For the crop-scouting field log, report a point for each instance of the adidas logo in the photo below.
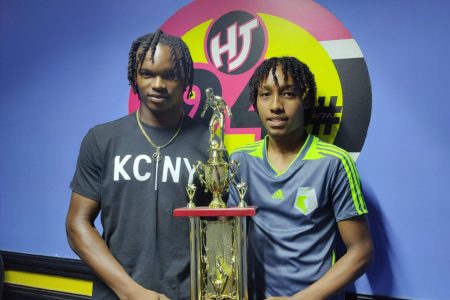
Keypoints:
(278, 195)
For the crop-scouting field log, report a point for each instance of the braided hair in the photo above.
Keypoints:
(181, 58)
(304, 81)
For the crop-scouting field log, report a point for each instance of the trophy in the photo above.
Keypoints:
(218, 241)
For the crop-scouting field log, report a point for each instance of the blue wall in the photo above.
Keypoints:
(63, 70)
(404, 164)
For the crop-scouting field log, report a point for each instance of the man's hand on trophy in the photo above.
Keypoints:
(144, 294)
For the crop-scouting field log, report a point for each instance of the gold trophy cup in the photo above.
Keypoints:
(216, 174)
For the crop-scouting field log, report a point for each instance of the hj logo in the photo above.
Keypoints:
(231, 42)
(235, 60)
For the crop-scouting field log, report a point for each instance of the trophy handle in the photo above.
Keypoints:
(199, 168)
(234, 167)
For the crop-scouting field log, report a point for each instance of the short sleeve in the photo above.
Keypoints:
(347, 197)
(88, 174)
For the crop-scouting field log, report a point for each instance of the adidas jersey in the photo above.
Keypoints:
(291, 238)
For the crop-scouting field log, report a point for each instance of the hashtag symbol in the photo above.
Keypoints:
(325, 115)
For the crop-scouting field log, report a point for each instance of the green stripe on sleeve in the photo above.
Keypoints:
(352, 174)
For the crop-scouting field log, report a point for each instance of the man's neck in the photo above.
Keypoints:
(287, 144)
(281, 152)
(161, 119)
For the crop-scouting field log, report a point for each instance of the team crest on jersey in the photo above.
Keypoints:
(306, 200)
(228, 39)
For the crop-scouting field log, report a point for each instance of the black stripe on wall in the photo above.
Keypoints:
(18, 292)
(72, 268)
(357, 110)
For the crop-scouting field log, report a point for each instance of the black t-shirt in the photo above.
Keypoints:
(115, 167)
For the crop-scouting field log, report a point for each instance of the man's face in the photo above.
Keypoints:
(281, 107)
(158, 88)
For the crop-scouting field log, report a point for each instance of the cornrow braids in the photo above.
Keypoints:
(179, 52)
(304, 81)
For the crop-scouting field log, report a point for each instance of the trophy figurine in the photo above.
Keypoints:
(218, 234)
(190, 189)
(218, 106)
(242, 189)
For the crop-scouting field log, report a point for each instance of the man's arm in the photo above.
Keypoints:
(356, 236)
(85, 240)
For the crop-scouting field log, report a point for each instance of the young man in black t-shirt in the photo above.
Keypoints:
(134, 170)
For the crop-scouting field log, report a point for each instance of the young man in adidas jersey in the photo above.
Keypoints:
(306, 192)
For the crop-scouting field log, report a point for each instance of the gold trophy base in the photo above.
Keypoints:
(218, 249)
